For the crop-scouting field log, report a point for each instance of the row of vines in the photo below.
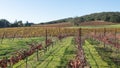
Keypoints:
(109, 37)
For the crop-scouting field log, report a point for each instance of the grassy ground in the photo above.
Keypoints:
(93, 57)
(102, 26)
(108, 55)
(101, 57)
(98, 26)
(10, 46)
(56, 57)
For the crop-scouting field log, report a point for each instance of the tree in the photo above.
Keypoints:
(4, 23)
(17, 24)
(76, 21)
(115, 18)
(82, 19)
(106, 18)
(28, 24)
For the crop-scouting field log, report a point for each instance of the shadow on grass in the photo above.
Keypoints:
(105, 54)
(93, 57)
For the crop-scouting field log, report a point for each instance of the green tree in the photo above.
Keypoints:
(17, 24)
(28, 24)
(76, 21)
(115, 18)
(4, 23)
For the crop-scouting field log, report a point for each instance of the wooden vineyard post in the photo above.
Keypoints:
(7, 61)
(94, 35)
(117, 48)
(52, 40)
(60, 35)
(26, 59)
(79, 35)
(95, 32)
(104, 35)
(14, 35)
(46, 39)
(51, 37)
(59, 30)
(10, 64)
(37, 55)
(116, 45)
(115, 38)
(3, 37)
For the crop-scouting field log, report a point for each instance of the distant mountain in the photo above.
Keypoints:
(113, 17)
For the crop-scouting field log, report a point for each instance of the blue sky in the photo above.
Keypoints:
(47, 10)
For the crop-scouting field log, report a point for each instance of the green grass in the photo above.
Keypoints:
(103, 26)
(93, 57)
(56, 57)
(106, 54)
(98, 26)
(9, 46)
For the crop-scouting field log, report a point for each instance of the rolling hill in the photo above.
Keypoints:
(103, 18)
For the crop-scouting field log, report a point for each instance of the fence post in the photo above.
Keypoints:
(3, 37)
(116, 37)
(37, 55)
(95, 32)
(104, 35)
(80, 36)
(14, 35)
(46, 39)
(26, 59)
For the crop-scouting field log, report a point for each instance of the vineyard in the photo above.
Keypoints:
(59, 47)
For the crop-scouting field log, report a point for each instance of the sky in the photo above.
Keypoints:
(37, 11)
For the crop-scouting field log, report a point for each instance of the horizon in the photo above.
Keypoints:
(44, 11)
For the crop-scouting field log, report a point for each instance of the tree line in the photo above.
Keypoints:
(5, 23)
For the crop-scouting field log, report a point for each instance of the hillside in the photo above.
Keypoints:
(63, 24)
(103, 16)
(95, 23)
(68, 24)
